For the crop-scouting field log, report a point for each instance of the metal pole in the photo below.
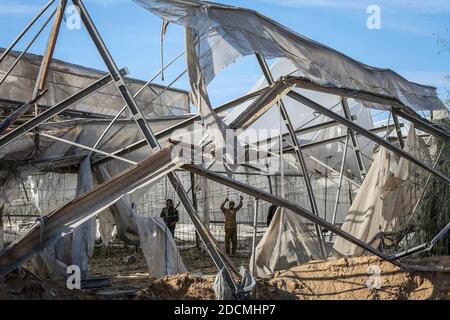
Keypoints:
(45, 63)
(350, 193)
(194, 203)
(350, 124)
(82, 146)
(16, 114)
(27, 47)
(355, 142)
(398, 130)
(422, 124)
(124, 107)
(298, 151)
(135, 96)
(51, 44)
(72, 214)
(255, 230)
(341, 175)
(218, 257)
(30, 24)
(260, 194)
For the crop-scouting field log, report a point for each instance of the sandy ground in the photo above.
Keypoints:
(340, 279)
(348, 278)
(344, 279)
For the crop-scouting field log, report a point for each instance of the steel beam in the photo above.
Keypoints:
(46, 61)
(15, 115)
(220, 259)
(422, 124)
(263, 103)
(262, 195)
(354, 139)
(341, 175)
(48, 55)
(297, 148)
(398, 130)
(255, 232)
(350, 124)
(398, 107)
(74, 213)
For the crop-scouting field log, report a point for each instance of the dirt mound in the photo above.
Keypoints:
(184, 287)
(190, 287)
(349, 278)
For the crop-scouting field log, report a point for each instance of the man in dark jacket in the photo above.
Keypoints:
(170, 216)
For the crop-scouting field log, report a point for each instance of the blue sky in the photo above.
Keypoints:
(407, 41)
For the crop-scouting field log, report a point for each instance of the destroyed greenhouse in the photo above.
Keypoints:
(88, 159)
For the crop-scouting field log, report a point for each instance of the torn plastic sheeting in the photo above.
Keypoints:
(76, 212)
(215, 127)
(288, 242)
(74, 248)
(158, 246)
(66, 79)
(388, 193)
(228, 33)
(222, 290)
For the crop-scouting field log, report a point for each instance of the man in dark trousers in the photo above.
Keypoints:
(230, 225)
(170, 216)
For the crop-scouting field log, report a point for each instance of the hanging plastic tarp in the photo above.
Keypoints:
(388, 193)
(158, 246)
(227, 33)
(288, 242)
(74, 248)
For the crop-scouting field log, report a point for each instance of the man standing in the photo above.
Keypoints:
(170, 216)
(230, 225)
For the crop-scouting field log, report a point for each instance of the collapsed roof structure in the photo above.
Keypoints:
(134, 133)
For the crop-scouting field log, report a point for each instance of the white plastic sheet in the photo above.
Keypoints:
(389, 191)
(227, 33)
(65, 79)
(288, 242)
